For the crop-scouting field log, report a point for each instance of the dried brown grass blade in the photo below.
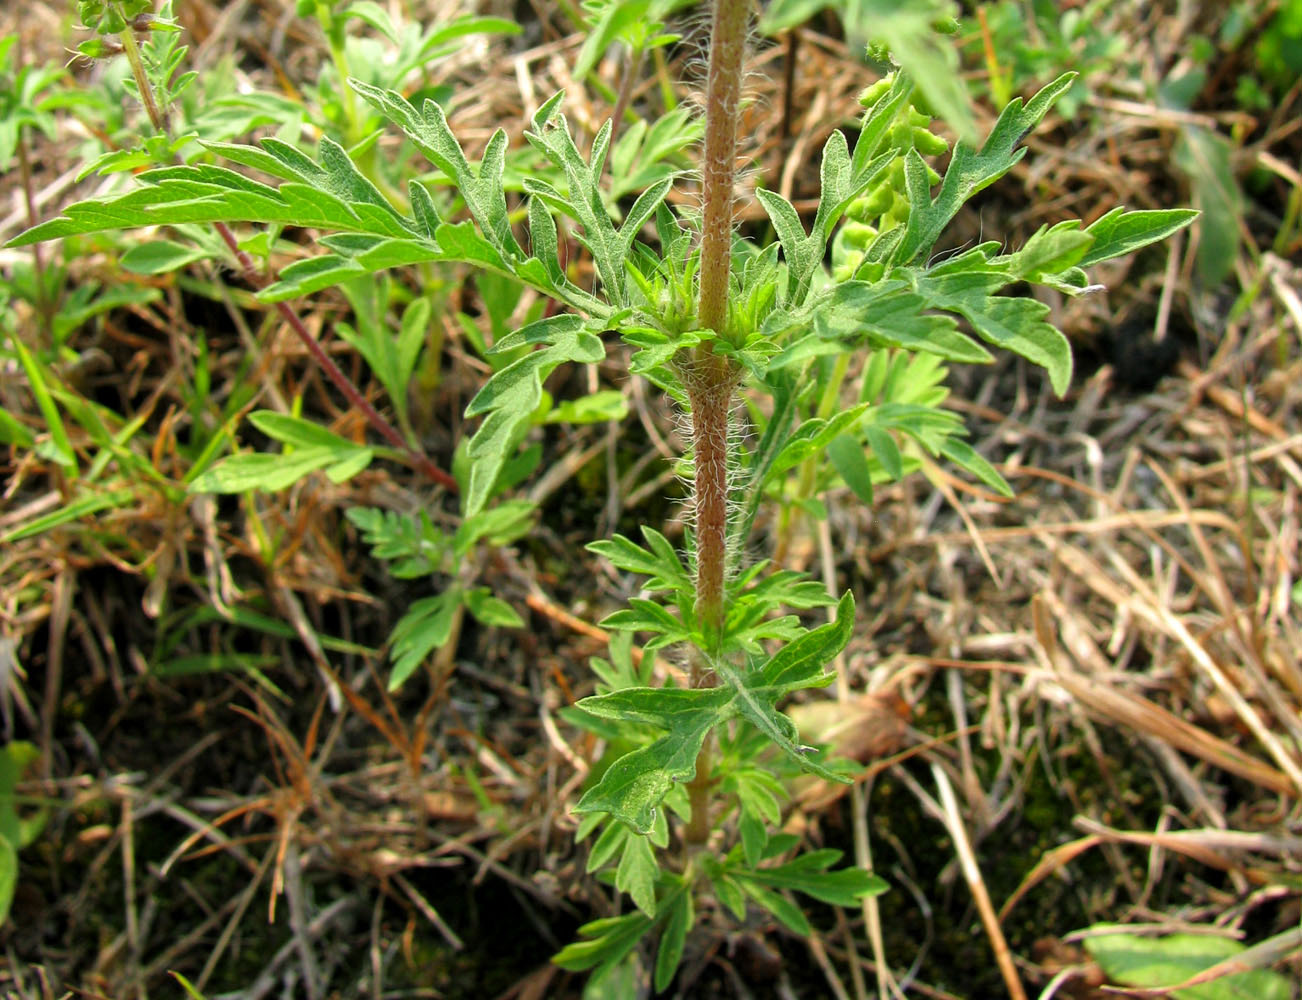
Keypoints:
(1046, 866)
(1135, 712)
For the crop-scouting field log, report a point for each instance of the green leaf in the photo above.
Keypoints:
(780, 15)
(611, 842)
(426, 626)
(1144, 961)
(886, 451)
(480, 186)
(332, 195)
(759, 791)
(1016, 324)
(787, 912)
(613, 20)
(298, 432)
(606, 404)
(159, 257)
(792, 236)
(673, 938)
(807, 874)
(303, 277)
(608, 248)
(970, 460)
(259, 471)
(889, 315)
(344, 469)
(647, 616)
(60, 450)
(441, 34)
(972, 170)
(662, 565)
(490, 610)
(1050, 251)
(930, 58)
(812, 437)
(8, 878)
(312, 447)
(1120, 232)
(636, 874)
(610, 941)
(634, 785)
(730, 895)
(508, 400)
(89, 503)
(19, 831)
(1206, 157)
(753, 835)
(374, 15)
(797, 665)
(186, 985)
(848, 459)
(13, 432)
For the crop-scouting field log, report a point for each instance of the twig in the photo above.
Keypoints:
(972, 872)
(428, 911)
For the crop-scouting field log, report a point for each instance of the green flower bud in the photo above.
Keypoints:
(870, 271)
(844, 270)
(858, 234)
(878, 200)
(928, 143)
(874, 93)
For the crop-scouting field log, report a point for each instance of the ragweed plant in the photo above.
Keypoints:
(685, 806)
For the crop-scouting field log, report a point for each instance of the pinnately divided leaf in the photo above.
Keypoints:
(338, 200)
(634, 785)
(508, 400)
(971, 170)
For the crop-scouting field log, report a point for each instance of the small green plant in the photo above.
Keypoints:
(841, 371)
(1020, 43)
(1203, 966)
(17, 829)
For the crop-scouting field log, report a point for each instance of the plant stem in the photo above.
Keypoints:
(44, 304)
(722, 111)
(710, 378)
(710, 392)
(157, 117)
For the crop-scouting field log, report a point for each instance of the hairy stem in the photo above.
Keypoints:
(711, 379)
(722, 110)
(710, 392)
(157, 115)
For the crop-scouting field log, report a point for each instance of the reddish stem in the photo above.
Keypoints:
(341, 381)
(723, 104)
(711, 379)
(422, 462)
